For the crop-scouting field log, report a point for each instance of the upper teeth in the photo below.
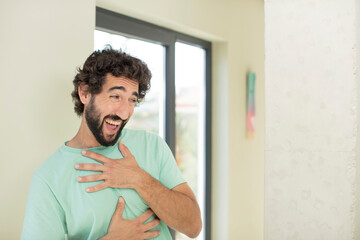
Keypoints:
(113, 122)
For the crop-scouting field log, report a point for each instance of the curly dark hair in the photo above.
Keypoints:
(115, 62)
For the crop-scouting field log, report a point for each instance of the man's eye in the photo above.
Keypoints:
(133, 100)
(115, 96)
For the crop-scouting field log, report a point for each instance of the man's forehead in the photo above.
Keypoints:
(111, 80)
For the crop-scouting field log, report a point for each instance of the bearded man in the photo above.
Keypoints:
(108, 182)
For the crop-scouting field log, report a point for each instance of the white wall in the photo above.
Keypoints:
(312, 107)
(357, 75)
(41, 44)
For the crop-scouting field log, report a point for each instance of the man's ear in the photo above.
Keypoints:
(84, 94)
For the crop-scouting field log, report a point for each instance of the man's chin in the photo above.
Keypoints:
(111, 140)
(108, 143)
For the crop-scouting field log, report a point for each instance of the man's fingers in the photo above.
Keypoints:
(120, 207)
(91, 178)
(151, 234)
(96, 156)
(145, 216)
(150, 225)
(90, 167)
(98, 187)
(124, 150)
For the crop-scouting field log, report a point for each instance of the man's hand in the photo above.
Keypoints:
(116, 173)
(134, 229)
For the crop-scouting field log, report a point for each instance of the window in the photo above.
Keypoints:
(178, 106)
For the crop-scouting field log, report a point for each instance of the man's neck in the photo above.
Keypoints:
(83, 138)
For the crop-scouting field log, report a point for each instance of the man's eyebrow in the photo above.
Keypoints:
(122, 89)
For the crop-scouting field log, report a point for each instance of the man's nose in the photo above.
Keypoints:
(123, 110)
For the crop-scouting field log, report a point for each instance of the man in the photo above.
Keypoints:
(134, 171)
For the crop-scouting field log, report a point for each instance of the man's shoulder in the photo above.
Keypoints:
(142, 140)
(141, 135)
(52, 164)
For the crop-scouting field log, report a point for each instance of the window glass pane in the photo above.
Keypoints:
(149, 115)
(190, 120)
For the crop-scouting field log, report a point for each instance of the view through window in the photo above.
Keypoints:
(190, 113)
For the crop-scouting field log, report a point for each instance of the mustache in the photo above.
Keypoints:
(115, 118)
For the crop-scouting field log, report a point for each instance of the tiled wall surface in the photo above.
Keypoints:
(312, 106)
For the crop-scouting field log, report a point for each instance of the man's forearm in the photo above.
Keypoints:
(174, 208)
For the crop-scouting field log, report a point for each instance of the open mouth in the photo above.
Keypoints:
(112, 125)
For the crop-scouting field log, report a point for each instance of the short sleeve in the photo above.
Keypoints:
(44, 217)
(170, 175)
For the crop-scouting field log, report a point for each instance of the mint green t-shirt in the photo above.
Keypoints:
(58, 204)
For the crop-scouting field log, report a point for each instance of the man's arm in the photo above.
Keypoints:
(44, 217)
(176, 207)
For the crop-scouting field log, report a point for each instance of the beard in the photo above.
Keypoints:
(92, 117)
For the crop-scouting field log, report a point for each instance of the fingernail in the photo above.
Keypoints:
(79, 178)
(83, 152)
(88, 189)
(120, 199)
(77, 165)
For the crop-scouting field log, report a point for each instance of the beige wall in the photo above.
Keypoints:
(49, 38)
(41, 44)
(357, 75)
